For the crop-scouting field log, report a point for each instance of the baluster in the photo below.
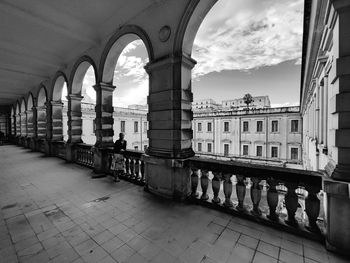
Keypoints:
(215, 183)
(255, 195)
(272, 199)
(312, 208)
(127, 166)
(240, 190)
(142, 171)
(204, 184)
(132, 168)
(78, 155)
(227, 190)
(137, 169)
(194, 182)
(291, 201)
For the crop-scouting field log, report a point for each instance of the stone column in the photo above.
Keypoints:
(104, 126)
(55, 126)
(35, 129)
(18, 126)
(170, 126)
(338, 189)
(74, 124)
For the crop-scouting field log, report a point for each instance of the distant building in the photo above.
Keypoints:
(273, 134)
(260, 134)
(206, 104)
(259, 102)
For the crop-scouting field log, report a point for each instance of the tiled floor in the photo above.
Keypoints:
(51, 211)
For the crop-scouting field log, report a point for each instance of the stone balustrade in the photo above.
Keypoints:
(84, 154)
(285, 198)
(134, 166)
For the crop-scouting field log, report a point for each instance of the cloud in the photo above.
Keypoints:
(247, 34)
(130, 76)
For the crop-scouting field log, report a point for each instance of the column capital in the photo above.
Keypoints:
(76, 97)
(56, 103)
(104, 86)
(170, 59)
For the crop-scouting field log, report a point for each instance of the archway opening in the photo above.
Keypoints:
(41, 113)
(245, 48)
(23, 119)
(88, 107)
(60, 107)
(124, 67)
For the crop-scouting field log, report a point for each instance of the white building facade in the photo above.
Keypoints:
(268, 134)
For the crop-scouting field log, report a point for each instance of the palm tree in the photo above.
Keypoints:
(248, 99)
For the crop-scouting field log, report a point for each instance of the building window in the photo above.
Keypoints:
(136, 126)
(294, 153)
(199, 147)
(136, 148)
(259, 126)
(199, 127)
(122, 126)
(209, 127)
(245, 126)
(259, 151)
(209, 147)
(274, 127)
(226, 149)
(245, 149)
(226, 126)
(145, 126)
(274, 152)
(294, 126)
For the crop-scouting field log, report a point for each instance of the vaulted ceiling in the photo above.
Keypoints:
(37, 37)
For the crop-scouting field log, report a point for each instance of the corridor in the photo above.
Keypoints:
(53, 211)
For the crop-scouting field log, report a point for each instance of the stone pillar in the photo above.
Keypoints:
(338, 189)
(35, 129)
(170, 126)
(104, 126)
(74, 124)
(57, 126)
(30, 127)
(18, 126)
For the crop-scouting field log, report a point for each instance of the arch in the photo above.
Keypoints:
(42, 96)
(18, 108)
(23, 105)
(30, 101)
(78, 74)
(115, 47)
(190, 23)
(59, 81)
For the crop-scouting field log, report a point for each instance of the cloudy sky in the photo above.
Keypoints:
(242, 46)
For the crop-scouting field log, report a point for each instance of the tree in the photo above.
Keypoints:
(248, 99)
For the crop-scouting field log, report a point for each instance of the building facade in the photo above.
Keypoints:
(273, 134)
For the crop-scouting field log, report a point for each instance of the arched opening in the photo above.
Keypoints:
(82, 85)
(41, 113)
(23, 118)
(30, 124)
(13, 123)
(18, 119)
(124, 68)
(248, 69)
(60, 108)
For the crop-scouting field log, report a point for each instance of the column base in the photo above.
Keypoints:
(101, 162)
(338, 214)
(168, 178)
